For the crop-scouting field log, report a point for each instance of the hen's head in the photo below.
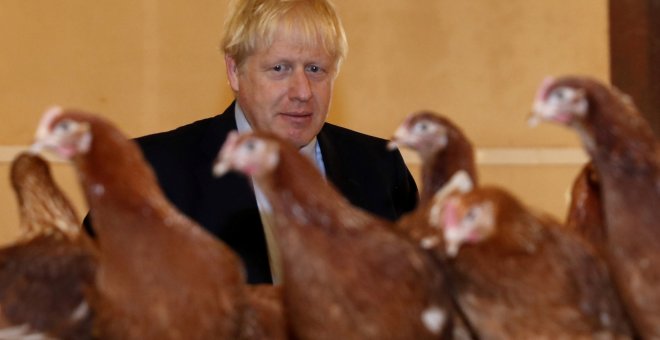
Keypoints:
(466, 218)
(602, 115)
(563, 101)
(253, 154)
(488, 215)
(64, 134)
(425, 132)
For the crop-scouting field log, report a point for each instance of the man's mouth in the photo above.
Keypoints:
(299, 117)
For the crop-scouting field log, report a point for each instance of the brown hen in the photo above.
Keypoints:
(160, 276)
(45, 277)
(626, 156)
(346, 274)
(520, 275)
(442, 146)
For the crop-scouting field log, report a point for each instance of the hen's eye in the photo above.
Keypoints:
(471, 214)
(64, 126)
(422, 127)
(559, 94)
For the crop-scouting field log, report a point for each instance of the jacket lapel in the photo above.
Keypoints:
(339, 173)
(227, 205)
(232, 189)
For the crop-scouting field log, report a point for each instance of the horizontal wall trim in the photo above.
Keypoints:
(518, 156)
(8, 152)
(485, 156)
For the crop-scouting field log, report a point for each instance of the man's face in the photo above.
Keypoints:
(285, 88)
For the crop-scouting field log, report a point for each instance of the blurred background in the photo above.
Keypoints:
(153, 65)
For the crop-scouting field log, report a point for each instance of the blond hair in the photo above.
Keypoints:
(251, 24)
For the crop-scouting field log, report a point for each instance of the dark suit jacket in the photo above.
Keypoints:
(361, 168)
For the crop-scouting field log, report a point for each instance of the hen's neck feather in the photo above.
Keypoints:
(115, 171)
(627, 156)
(442, 165)
(295, 181)
(622, 137)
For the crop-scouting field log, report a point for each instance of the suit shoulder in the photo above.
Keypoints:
(359, 152)
(204, 136)
(367, 172)
(181, 134)
(354, 138)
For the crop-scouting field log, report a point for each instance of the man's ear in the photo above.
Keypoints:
(232, 72)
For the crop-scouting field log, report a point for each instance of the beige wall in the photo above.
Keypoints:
(152, 65)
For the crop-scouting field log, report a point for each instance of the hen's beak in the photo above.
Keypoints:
(534, 119)
(399, 137)
(222, 163)
(536, 116)
(42, 134)
(221, 166)
(46, 120)
(392, 145)
(36, 147)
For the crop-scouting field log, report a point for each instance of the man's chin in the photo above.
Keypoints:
(297, 139)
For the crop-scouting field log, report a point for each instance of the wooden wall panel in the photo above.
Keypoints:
(635, 53)
(153, 65)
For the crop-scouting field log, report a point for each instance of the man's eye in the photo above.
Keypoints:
(313, 68)
(281, 68)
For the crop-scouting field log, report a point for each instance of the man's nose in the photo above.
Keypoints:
(300, 87)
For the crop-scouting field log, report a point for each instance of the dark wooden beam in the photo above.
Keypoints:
(635, 53)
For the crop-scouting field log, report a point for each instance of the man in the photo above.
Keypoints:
(282, 57)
